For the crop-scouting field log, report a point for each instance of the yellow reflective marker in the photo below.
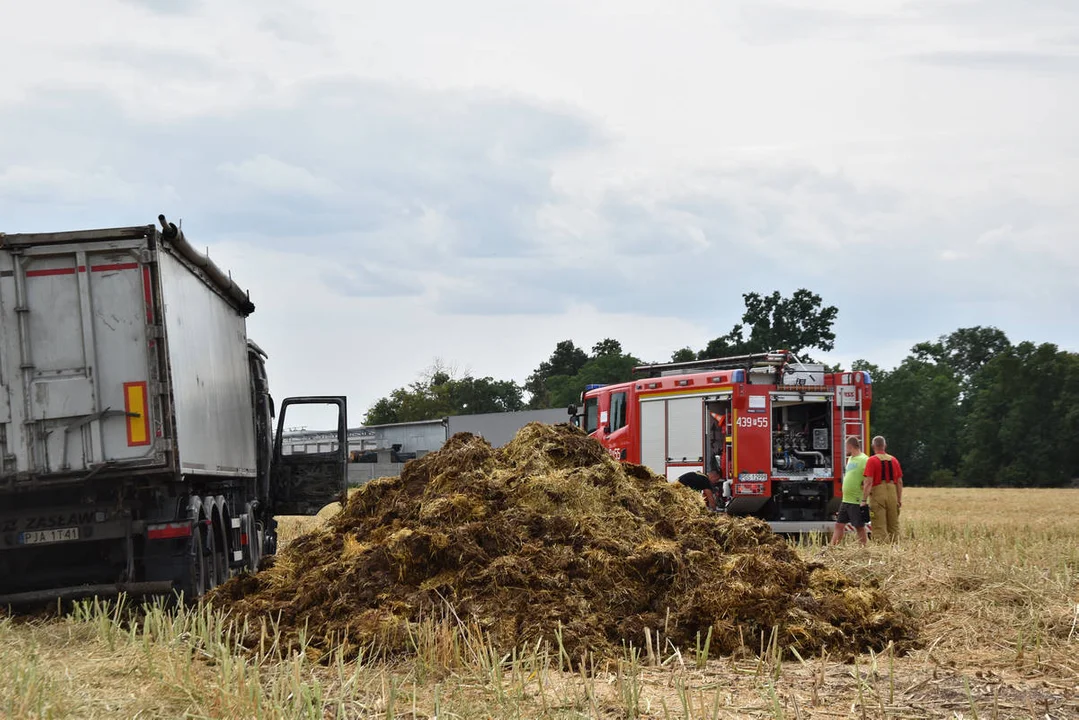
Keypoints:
(138, 414)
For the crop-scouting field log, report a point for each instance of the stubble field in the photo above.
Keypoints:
(991, 576)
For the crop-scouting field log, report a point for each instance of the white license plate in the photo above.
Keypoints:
(37, 537)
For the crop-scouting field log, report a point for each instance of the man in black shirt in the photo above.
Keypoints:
(706, 484)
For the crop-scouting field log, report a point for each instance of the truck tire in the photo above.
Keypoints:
(269, 538)
(254, 540)
(193, 583)
(215, 555)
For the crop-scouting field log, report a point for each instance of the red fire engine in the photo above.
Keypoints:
(772, 425)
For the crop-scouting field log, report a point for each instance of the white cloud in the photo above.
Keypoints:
(479, 180)
(264, 173)
(997, 236)
(47, 183)
(322, 342)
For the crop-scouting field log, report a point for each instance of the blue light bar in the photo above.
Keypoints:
(738, 376)
(594, 386)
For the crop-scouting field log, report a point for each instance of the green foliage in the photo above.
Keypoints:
(916, 407)
(686, 354)
(972, 409)
(566, 361)
(943, 478)
(772, 322)
(967, 350)
(608, 363)
(1023, 419)
(439, 395)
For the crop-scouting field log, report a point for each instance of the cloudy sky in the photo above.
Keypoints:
(476, 180)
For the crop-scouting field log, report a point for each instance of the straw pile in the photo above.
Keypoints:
(550, 533)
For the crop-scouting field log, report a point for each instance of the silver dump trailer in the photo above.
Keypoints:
(137, 449)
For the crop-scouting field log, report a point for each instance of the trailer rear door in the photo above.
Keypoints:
(76, 355)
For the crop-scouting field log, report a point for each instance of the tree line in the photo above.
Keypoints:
(969, 408)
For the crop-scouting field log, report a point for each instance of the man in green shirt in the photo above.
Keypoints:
(855, 494)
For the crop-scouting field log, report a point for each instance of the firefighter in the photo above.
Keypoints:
(705, 484)
(886, 494)
(719, 437)
(856, 487)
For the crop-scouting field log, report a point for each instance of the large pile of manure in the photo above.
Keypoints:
(550, 535)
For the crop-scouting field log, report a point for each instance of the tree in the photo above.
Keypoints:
(973, 409)
(1023, 420)
(607, 364)
(385, 411)
(605, 369)
(684, 355)
(966, 351)
(875, 372)
(566, 360)
(915, 407)
(773, 322)
(607, 347)
(439, 394)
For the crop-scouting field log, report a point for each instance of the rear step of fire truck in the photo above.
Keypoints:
(799, 527)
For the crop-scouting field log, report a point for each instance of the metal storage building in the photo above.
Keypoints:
(416, 437)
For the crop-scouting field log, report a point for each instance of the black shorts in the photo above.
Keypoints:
(696, 481)
(850, 513)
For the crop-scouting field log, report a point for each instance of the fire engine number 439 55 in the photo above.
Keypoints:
(755, 421)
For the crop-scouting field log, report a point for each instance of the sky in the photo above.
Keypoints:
(472, 182)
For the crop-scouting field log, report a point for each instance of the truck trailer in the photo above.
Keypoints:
(773, 426)
(137, 448)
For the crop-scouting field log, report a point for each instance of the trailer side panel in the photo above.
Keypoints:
(207, 346)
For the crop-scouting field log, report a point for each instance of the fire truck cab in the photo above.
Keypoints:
(772, 425)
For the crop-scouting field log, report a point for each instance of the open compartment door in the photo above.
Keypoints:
(304, 483)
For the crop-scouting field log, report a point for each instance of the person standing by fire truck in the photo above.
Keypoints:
(886, 495)
(856, 489)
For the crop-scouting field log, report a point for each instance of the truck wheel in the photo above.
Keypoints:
(193, 584)
(254, 542)
(215, 557)
(269, 539)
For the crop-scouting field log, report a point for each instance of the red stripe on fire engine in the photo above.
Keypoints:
(646, 394)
